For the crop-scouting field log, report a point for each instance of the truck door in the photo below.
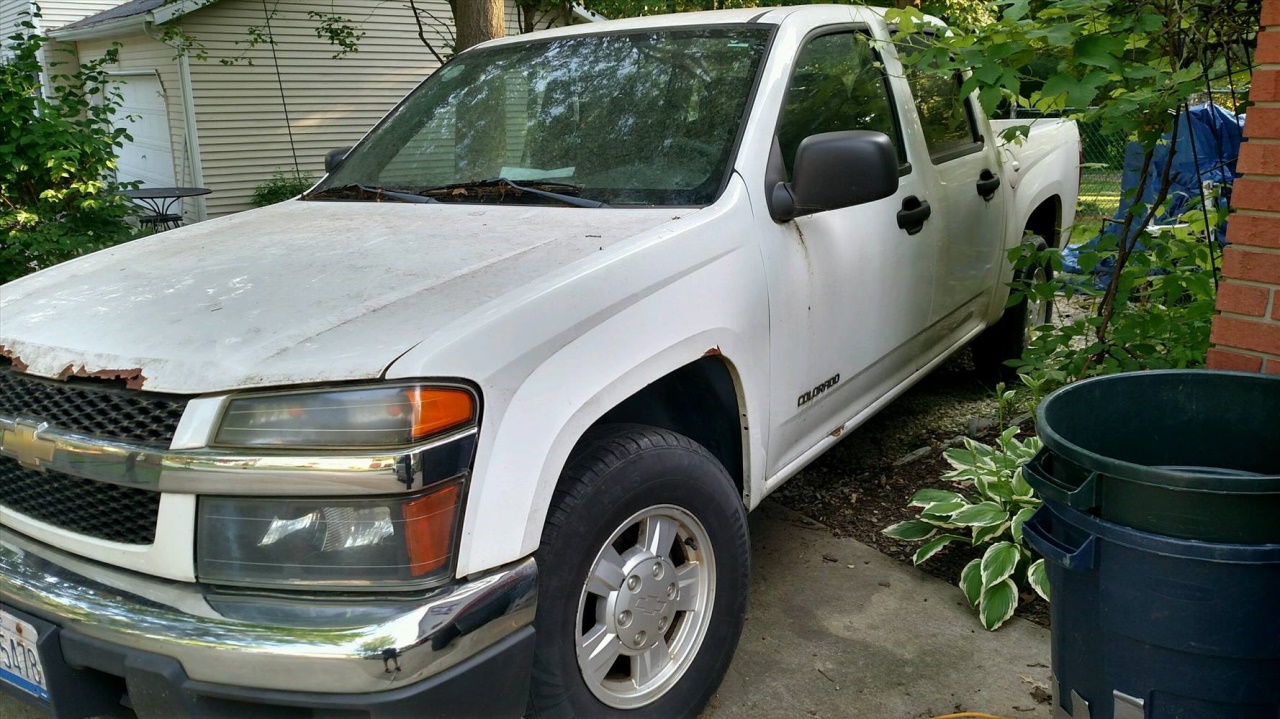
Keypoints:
(849, 289)
(970, 200)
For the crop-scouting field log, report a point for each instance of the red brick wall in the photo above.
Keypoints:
(1246, 331)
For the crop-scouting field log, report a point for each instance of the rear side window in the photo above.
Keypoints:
(838, 84)
(946, 118)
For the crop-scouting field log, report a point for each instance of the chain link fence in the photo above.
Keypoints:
(1100, 177)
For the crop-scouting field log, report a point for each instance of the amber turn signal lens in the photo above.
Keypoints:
(428, 529)
(437, 409)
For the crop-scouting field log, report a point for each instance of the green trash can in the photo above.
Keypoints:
(1192, 454)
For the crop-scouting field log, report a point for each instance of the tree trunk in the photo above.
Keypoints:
(904, 4)
(477, 21)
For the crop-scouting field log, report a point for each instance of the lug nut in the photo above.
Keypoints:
(640, 637)
(662, 624)
(633, 582)
(671, 591)
(624, 618)
(657, 570)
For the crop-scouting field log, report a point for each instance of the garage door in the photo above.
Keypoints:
(149, 156)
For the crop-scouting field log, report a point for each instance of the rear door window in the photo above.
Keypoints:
(947, 118)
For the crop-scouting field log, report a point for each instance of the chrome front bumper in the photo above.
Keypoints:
(283, 641)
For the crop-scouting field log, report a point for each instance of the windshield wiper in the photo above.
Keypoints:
(369, 190)
(501, 181)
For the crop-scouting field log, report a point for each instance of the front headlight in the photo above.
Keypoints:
(350, 542)
(358, 417)
(347, 543)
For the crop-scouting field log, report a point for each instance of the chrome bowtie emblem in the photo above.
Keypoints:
(649, 605)
(23, 442)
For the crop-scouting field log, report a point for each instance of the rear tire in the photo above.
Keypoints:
(643, 573)
(1008, 338)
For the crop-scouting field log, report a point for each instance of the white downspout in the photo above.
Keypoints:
(188, 115)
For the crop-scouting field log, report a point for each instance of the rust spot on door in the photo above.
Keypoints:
(133, 378)
(713, 352)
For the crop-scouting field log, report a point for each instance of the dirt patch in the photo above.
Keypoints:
(858, 488)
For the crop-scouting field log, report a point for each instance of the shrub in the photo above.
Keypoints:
(282, 186)
(993, 514)
(57, 161)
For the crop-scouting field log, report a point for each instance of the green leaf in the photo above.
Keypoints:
(925, 497)
(1076, 92)
(1017, 9)
(1038, 578)
(980, 515)
(1021, 489)
(935, 545)
(971, 581)
(1099, 50)
(912, 530)
(982, 535)
(997, 604)
(994, 487)
(942, 511)
(1015, 528)
(998, 562)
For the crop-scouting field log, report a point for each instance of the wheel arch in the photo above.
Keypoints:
(1045, 221)
(700, 400)
(566, 397)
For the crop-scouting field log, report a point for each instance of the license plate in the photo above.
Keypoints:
(19, 659)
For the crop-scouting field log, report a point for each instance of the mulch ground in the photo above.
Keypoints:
(857, 490)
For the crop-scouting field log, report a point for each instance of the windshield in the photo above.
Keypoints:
(643, 118)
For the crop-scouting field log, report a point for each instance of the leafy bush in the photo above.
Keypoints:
(1130, 66)
(993, 514)
(283, 185)
(1162, 310)
(57, 160)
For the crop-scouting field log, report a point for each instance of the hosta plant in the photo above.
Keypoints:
(989, 507)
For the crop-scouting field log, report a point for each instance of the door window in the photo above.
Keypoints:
(839, 84)
(945, 116)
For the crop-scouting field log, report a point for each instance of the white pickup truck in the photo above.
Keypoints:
(472, 427)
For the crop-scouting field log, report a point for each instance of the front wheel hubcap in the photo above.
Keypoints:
(645, 606)
(1037, 311)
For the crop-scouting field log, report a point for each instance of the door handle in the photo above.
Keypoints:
(913, 214)
(987, 185)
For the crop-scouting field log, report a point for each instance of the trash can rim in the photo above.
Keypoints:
(1164, 545)
(1143, 474)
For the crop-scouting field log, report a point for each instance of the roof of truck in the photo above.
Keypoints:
(763, 16)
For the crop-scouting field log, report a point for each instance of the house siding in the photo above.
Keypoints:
(12, 12)
(331, 102)
(140, 53)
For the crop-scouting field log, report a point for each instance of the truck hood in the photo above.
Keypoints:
(297, 292)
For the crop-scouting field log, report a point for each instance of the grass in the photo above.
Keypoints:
(1099, 199)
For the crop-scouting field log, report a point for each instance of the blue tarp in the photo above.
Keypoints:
(1217, 133)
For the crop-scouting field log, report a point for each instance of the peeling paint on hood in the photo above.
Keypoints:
(296, 292)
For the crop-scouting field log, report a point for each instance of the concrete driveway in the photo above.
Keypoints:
(836, 629)
(867, 636)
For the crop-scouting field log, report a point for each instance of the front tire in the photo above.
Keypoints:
(643, 575)
(1009, 337)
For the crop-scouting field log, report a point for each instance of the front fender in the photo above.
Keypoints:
(511, 494)
(554, 357)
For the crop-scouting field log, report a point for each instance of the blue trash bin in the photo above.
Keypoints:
(1152, 627)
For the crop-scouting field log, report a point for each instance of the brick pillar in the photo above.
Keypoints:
(1246, 331)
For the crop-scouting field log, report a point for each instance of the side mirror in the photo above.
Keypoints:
(834, 170)
(333, 158)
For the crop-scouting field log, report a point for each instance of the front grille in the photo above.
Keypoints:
(96, 509)
(82, 408)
